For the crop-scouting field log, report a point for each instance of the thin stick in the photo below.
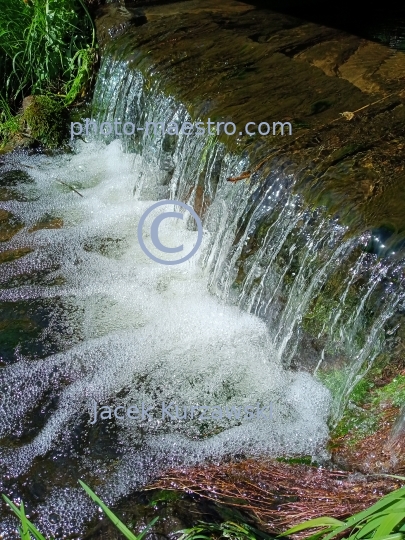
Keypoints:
(70, 187)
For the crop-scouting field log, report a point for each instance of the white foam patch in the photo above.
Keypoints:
(148, 328)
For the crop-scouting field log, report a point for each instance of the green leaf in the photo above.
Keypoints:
(317, 535)
(17, 512)
(369, 526)
(388, 525)
(397, 536)
(384, 503)
(25, 535)
(317, 522)
(146, 529)
(202, 536)
(117, 522)
(385, 515)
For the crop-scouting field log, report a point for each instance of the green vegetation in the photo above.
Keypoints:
(163, 496)
(385, 520)
(9, 124)
(45, 120)
(303, 460)
(120, 526)
(228, 529)
(369, 401)
(27, 528)
(47, 50)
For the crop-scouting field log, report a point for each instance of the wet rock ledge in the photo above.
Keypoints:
(231, 61)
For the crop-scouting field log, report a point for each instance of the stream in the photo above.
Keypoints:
(234, 326)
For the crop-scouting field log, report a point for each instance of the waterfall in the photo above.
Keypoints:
(278, 300)
(268, 253)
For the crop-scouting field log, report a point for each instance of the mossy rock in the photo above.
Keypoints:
(14, 254)
(45, 119)
(9, 225)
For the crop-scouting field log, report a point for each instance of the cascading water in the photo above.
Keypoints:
(269, 254)
(225, 328)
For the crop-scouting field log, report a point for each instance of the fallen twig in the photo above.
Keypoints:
(278, 494)
(70, 187)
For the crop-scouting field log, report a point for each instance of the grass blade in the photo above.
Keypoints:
(316, 522)
(146, 529)
(387, 501)
(388, 525)
(32, 529)
(369, 527)
(117, 522)
(25, 535)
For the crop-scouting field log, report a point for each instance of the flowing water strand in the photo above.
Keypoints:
(280, 266)
(222, 329)
(264, 282)
(124, 331)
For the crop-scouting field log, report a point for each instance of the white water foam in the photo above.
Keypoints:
(146, 328)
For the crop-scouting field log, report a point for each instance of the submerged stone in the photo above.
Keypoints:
(9, 225)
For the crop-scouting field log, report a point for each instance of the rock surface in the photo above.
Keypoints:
(230, 61)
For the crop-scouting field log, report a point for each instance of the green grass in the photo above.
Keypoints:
(27, 528)
(303, 460)
(47, 48)
(228, 529)
(385, 520)
(43, 44)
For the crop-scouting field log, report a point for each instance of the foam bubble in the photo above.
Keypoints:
(135, 331)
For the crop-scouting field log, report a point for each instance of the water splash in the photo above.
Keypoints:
(278, 291)
(132, 332)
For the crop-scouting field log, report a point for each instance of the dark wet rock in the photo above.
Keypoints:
(176, 511)
(116, 20)
(232, 61)
(10, 255)
(9, 225)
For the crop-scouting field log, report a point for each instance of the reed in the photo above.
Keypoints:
(47, 48)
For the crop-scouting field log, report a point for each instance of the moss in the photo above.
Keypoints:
(164, 496)
(392, 393)
(328, 305)
(13, 254)
(319, 314)
(333, 380)
(304, 460)
(358, 423)
(45, 120)
(368, 401)
(8, 130)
